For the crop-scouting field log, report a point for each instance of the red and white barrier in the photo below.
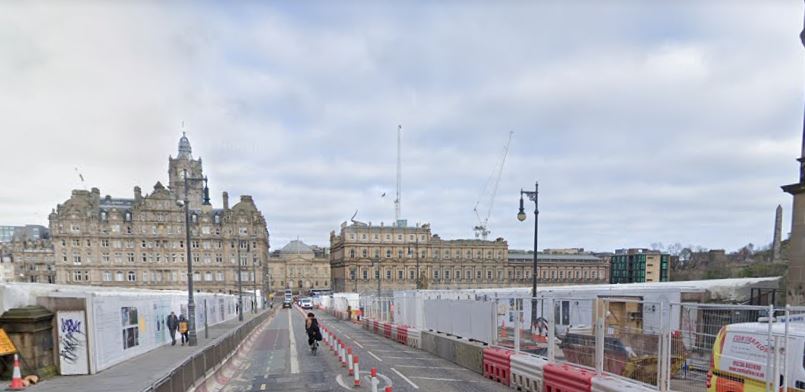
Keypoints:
(356, 373)
(497, 365)
(566, 378)
(527, 372)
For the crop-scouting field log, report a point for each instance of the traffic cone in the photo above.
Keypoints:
(16, 378)
(503, 330)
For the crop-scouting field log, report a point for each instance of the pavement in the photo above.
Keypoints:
(139, 372)
(274, 364)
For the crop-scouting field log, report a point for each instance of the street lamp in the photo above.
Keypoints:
(240, 278)
(191, 305)
(376, 264)
(254, 281)
(521, 216)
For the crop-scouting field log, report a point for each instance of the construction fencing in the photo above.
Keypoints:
(667, 346)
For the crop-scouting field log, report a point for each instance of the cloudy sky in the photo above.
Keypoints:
(643, 121)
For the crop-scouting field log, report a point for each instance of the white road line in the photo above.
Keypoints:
(376, 357)
(347, 336)
(429, 367)
(419, 359)
(357, 344)
(294, 359)
(405, 378)
(435, 379)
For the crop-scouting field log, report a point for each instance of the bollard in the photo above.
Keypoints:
(356, 372)
(343, 355)
(374, 379)
(349, 360)
(388, 389)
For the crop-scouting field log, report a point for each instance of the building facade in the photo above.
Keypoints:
(141, 241)
(366, 258)
(638, 266)
(26, 254)
(559, 267)
(299, 267)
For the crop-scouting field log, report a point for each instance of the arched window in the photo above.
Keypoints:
(132, 276)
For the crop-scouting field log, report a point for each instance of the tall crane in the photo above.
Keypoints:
(489, 191)
(398, 199)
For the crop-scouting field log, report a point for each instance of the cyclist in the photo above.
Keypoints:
(313, 331)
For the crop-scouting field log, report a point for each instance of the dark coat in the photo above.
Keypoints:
(173, 322)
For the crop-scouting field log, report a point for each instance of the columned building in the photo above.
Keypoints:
(558, 267)
(404, 258)
(299, 267)
(141, 241)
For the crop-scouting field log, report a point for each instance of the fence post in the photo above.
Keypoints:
(785, 344)
(769, 376)
(600, 335)
(662, 371)
(517, 305)
(551, 331)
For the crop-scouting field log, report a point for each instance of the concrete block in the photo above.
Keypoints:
(446, 347)
(429, 342)
(470, 355)
(459, 351)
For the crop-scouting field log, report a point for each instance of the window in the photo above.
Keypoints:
(75, 228)
(458, 274)
(436, 274)
(594, 274)
(478, 274)
(352, 253)
(447, 275)
(219, 276)
(411, 274)
(365, 274)
(208, 276)
(489, 275)
(388, 252)
(118, 276)
(131, 276)
(388, 274)
(107, 276)
(145, 276)
(76, 259)
(400, 275)
(363, 253)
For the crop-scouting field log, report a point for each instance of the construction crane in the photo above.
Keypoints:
(489, 191)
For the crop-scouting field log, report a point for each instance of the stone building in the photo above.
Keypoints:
(558, 267)
(299, 267)
(26, 254)
(406, 257)
(140, 241)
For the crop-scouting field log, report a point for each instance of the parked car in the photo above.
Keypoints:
(306, 303)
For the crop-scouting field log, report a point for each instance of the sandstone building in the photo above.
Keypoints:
(559, 267)
(26, 254)
(406, 257)
(140, 241)
(299, 267)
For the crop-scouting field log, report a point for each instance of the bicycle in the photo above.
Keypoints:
(314, 347)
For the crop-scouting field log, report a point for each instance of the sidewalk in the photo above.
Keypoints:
(139, 372)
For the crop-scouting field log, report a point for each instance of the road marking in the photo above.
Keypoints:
(376, 357)
(294, 359)
(263, 387)
(419, 359)
(357, 344)
(436, 379)
(347, 336)
(405, 378)
(430, 367)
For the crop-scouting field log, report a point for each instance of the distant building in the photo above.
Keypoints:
(638, 266)
(299, 267)
(406, 257)
(141, 241)
(560, 267)
(26, 254)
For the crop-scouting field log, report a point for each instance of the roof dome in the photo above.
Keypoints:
(296, 247)
(184, 147)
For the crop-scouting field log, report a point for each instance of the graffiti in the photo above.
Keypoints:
(71, 340)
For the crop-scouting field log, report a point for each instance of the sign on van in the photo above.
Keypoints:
(744, 354)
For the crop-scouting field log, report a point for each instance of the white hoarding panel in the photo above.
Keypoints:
(72, 332)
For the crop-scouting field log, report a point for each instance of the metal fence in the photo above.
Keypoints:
(666, 346)
(198, 366)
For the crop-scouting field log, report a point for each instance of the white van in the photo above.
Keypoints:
(740, 363)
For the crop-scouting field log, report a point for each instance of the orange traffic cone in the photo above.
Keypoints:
(16, 378)
(503, 330)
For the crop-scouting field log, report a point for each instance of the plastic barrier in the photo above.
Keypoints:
(414, 338)
(566, 378)
(402, 335)
(497, 365)
(375, 326)
(527, 372)
(387, 330)
(617, 384)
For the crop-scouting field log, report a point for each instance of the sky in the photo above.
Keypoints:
(643, 122)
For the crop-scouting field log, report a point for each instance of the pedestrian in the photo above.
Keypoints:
(173, 324)
(183, 329)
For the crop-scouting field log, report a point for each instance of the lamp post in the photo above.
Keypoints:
(521, 216)
(417, 262)
(376, 262)
(240, 282)
(192, 340)
(254, 281)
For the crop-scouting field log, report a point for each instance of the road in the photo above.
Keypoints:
(275, 364)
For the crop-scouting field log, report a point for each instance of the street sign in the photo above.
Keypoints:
(6, 345)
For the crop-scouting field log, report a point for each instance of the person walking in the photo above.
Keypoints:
(173, 324)
(183, 329)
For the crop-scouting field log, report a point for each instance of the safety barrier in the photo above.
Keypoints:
(566, 378)
(414, 338)
(497, 365)
(375, 326)
(387, 330)
(402, 335)
(527, 372)
(602, 383)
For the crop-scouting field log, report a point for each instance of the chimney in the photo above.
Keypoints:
(138, 194)
(226, 201)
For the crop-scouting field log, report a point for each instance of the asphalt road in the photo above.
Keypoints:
(275, 364)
